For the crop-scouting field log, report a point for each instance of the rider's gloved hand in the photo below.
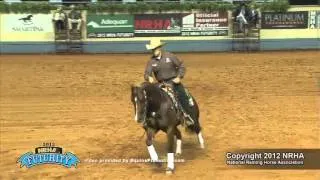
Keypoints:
(150, 79)
(177, 80)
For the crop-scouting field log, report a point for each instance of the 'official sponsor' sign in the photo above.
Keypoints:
(205, 24)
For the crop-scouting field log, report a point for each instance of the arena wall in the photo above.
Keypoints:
(270, 39)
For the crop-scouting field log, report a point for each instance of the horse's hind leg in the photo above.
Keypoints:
(201, 140)
(197, 129)
(179, 142)
(152, 151)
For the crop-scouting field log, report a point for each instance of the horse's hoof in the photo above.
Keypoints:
(202, 146)
(169, 171)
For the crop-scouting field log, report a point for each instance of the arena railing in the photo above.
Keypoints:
(132, 1)
(114, 1)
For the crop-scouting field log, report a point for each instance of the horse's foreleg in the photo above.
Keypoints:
(179, 142)
(170, 156)
(152, 151)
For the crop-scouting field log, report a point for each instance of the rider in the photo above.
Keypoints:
(168, 69)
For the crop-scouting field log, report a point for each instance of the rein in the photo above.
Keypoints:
(145, 107)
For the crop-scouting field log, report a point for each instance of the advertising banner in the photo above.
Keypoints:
(26, 27)
(314, 20)
(110, 26)
(287, 20)
(157, 25)
(26, 23)
(205, 24)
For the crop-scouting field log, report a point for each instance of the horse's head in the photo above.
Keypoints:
(139, 101)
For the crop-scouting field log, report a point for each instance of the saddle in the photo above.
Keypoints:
(167, 88)
(170, 92)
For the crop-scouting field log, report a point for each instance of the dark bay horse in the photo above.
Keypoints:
(156, 111)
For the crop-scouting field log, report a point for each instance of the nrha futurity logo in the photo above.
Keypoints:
(48, 154)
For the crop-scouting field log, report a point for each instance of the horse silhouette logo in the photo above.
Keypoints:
(27, 20)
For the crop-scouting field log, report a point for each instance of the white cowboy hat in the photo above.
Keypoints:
(154, 43)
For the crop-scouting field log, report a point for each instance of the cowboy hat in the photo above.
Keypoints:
(154, 43)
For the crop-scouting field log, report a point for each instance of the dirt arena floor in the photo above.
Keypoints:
(82, 103)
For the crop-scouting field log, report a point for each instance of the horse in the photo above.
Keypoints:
(155, 110)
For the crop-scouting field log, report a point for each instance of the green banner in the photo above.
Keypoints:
(110, 26)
